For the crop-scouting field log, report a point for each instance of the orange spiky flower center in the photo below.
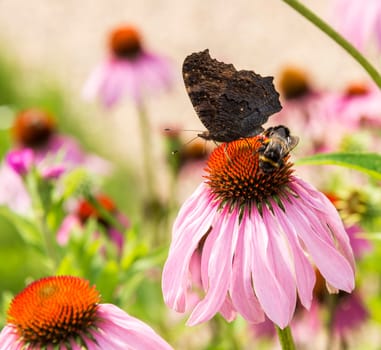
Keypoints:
(33, 128)
(53, 310)
(125, 42)
(235, 176)
(293, 83)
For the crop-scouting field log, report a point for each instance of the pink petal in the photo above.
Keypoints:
(122, 331)
(69, 223)
(227, 310)
(219, 268)
(270, 293)
(304, 273)
(280, 260)
(93, 84)
(9, 339)
(194, 220)
(155, 73)
(20, 160)
(241, 288)
(326, 212)
(334, 267)
(13, 193)
(117, 78)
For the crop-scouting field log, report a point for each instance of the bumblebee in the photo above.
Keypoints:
(277, 144)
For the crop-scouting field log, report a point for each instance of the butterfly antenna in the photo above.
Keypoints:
(174, 152)
(178, 130)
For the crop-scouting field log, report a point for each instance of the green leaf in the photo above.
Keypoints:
(27, 229)
(369, 163)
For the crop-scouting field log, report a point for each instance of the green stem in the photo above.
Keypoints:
(326, 28)
(41, 214)
(285, 338)
(147, 149)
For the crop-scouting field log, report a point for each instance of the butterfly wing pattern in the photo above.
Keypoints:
(231, 104)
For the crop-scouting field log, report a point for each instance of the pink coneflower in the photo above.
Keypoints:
(358, 21)
(305, 110)
(65, 312)
(38, 143)
(86, 210)
(36, 129)
(258, 234)
(359, 106)
(23, 160)
(349, 315)
(129, 69)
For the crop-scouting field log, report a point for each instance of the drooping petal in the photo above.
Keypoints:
(93, 84)
(326, 212)
(9, 338)
(227, 310)
(280, 259)
(154, 72)
(192, 208)
(270, 293)
(74, 345)
(120, 331)
(219, 268)
(332, 264)
(117, 77)
(185, 241)
(241, 288)
(304, 273)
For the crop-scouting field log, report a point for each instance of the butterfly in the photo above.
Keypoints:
(231, 104)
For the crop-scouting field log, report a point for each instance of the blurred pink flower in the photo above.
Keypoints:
(84, 211)
(358, 21)
(64, 312)
(360, 245)
(20, 160)
(307, 111)
(263, 330)
(349, 314)
(51, 153)
(359, 106)
(254, 230)
(305, 326)
(129, 69)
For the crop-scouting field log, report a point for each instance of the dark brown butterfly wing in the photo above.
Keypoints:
(205, 80)
(249, 100)
(231, 104)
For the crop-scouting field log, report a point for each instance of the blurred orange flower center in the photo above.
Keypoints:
(357, 89)
(125, 42)
(293, 83)
(33, 127)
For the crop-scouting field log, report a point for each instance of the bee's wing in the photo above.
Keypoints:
(293, 141)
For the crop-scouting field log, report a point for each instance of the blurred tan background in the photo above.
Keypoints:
(66, 39)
